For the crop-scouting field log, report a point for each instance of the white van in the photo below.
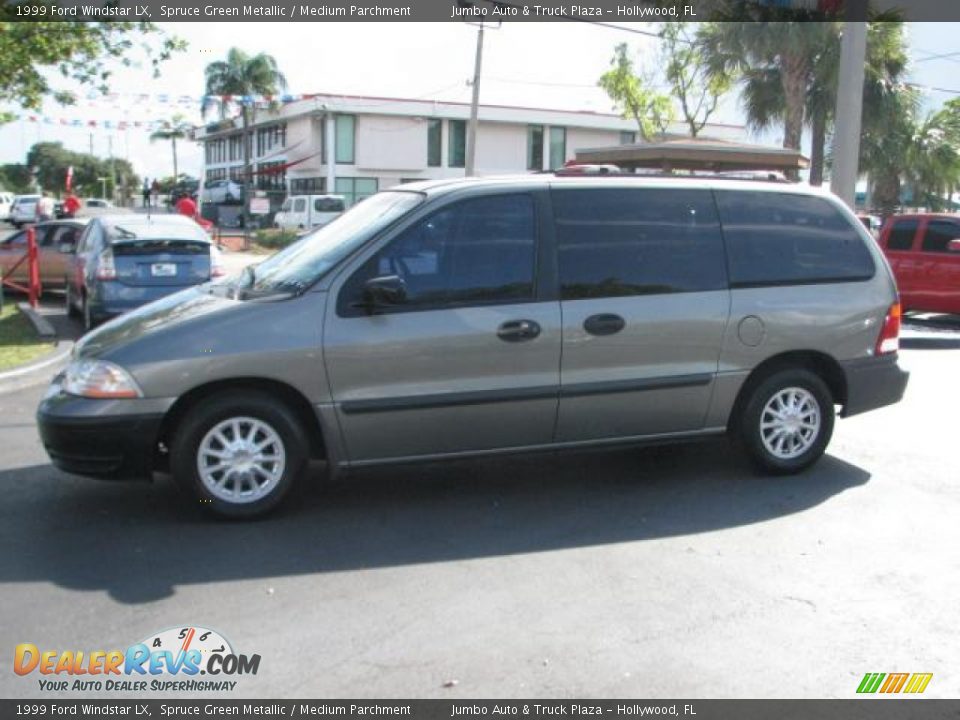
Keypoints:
(301, 212)
(23, 210)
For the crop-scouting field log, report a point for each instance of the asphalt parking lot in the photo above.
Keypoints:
(651, 572)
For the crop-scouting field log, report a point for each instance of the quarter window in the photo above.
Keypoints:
(474, 252)
(902, 234)
(622, 242)
(785, 239)
(939, 234)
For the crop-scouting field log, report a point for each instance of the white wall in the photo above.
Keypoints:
(501, 148)
(390, 143)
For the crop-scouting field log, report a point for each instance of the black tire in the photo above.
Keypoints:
(751, 434)
(202, 419)
(72, 311)
(89, 321)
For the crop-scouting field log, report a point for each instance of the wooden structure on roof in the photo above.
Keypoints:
(695, 155)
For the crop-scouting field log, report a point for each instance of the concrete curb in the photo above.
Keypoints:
(40, 324)
(37, 372)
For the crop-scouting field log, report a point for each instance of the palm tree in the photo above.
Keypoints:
(773, 60)
(174, 129)
(242, 77)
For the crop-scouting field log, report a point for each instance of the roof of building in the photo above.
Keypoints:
(696, 154)
(320, 103)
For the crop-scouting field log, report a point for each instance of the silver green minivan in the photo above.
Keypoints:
(458, 318)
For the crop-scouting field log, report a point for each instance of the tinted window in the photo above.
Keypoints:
(473, 252)
(902, 234)
(637, 242)
(939, 234)
(784, 239)
(328, 205)
(299, 205)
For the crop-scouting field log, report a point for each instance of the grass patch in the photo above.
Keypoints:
(273, 239)
(19, 342)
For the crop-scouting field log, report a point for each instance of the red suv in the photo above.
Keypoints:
(924, 252)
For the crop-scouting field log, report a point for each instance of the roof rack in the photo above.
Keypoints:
(591, 170)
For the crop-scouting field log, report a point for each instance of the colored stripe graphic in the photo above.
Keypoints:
(918, 683)
(894, 683)
(870, 682)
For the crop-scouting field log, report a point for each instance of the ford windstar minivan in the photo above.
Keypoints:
(457, 318)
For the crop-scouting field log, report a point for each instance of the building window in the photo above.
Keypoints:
(218, 174)
(434, 142)
(275, 180)
(355, 189)
(627, 137)
(535, 147)
(308, 186)
(236, 147)
(270, 137)
(558, 147)
(236, 173)
(457, 155)
(345, 130)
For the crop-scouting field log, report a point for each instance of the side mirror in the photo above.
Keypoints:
(954, 246)
(67, 248)
(384, 290)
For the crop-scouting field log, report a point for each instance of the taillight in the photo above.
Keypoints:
(106, 268)
(216, 262)
(889, 340)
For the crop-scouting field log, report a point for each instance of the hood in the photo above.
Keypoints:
(171, 311)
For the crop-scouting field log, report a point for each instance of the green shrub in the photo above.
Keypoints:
(275, 239)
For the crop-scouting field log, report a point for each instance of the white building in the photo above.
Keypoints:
(375, 143)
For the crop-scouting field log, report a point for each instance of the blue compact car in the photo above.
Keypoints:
(125, 261)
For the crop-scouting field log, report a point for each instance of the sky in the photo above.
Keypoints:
(550, 65)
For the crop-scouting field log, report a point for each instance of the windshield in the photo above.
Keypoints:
(306, 261)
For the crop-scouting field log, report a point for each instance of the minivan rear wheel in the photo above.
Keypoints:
(238, 454)
(787, 421)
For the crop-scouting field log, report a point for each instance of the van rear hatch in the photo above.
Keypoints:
(158, 261)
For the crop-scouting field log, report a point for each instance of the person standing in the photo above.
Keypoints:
(45, 207)
(146, 193)
(71, 205)
(155, 192)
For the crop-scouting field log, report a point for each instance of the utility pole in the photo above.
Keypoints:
(474, 106)
(113, 169)
(91, 143)
(849, 112)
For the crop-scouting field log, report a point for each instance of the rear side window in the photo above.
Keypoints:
(328, 205)
(902, 234)
(643, 241)
(939, 234)
(784, 239)
(299, 205)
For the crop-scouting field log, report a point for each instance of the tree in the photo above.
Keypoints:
(15, 178)
(242, 77)
(33, 53)
(634, 97)
(771, 59)
(697, 91)
(50, 161)
(174, 129)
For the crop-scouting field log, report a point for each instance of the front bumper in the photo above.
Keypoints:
(100, 438)
(873, 383)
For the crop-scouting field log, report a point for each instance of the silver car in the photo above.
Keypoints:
(460, 318)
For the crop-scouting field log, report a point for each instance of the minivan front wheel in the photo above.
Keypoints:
(787, 421)
(238, 454)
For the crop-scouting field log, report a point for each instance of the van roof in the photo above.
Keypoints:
(539, 180)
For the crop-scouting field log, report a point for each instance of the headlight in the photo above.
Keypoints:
(99, 379)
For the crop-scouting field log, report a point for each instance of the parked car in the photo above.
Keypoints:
(6, 201)
(222, 191)
(125, 261)
(301, 212)
(924, 252)
(23, 210)
(56, 242)
(428, 321)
